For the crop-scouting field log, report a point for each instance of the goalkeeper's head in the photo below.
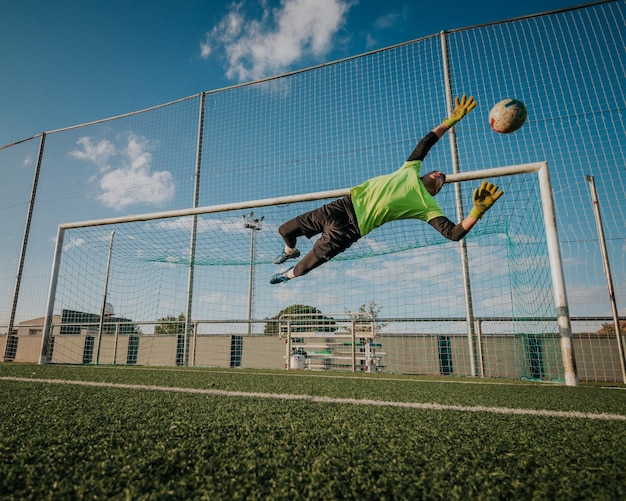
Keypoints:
(433, 181)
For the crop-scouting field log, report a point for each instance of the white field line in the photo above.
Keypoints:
(333, 400)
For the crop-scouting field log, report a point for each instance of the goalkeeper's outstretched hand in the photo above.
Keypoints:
(484, 197)
(462, 108)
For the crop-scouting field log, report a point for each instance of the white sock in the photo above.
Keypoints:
(290, 274)
(289, 250)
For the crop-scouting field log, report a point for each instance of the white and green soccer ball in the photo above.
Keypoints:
(507, 116)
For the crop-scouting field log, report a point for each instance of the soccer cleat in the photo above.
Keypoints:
(284, 256)
(279, 278)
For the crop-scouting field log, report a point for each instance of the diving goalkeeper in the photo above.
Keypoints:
(402, 194)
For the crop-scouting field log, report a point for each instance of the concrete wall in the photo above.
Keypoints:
(213, 351)
(503, 356)
(263, 352)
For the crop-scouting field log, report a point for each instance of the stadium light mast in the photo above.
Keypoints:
(254, 225)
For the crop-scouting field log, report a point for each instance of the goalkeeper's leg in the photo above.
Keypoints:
(309, 262)
(290, 231)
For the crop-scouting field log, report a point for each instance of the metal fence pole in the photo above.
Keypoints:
(103, 309)
(607, 272)
(194, 230)
(9, 353)
(469, 305)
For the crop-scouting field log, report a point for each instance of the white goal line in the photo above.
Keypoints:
(512, 411)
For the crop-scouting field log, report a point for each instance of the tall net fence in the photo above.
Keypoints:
(328, 128)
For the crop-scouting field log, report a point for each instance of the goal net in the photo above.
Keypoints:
(192, 288)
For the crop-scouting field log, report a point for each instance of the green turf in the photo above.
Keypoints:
(77, 442)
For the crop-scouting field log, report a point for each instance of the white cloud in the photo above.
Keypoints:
(257, 48)
(386, 22)
(125, 175)
(97, 154)
(389, 20)
(74, 242)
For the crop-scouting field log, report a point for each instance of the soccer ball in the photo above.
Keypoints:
(507, 116)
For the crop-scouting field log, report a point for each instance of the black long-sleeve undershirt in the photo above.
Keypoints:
(447, 228)
(423, 147)
(442, 224)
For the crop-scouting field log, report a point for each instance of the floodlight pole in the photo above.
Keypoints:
(254, 225)
(607, 272)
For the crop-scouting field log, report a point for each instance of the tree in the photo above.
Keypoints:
(608, 329)
(312, 319)
(367, 314)
(171, 325)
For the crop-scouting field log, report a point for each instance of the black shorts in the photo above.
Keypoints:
(336, 221)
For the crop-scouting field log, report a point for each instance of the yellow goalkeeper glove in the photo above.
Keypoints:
(484, 197)
(463, 107)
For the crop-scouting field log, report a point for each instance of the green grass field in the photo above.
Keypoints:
(140, 433)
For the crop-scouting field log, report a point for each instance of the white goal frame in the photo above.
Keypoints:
(547, 201)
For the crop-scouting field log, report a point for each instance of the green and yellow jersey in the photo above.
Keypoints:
(399, 195)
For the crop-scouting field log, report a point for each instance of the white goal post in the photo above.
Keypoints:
(554, 254)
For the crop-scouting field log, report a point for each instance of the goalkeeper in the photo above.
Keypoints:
(400, 195)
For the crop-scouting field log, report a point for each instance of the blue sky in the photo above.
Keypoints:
(73, 62)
